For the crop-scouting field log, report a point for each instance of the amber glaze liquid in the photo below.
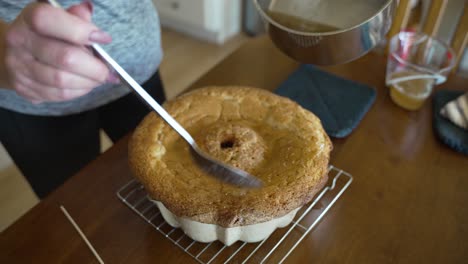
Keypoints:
(410, 94)
(299, 24)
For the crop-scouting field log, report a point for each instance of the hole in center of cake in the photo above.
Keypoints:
(236, 144)
(227, 143)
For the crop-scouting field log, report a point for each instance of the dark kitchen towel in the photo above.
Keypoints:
(450, 134)
(339, 103)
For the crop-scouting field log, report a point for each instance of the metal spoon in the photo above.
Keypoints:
(213, 167)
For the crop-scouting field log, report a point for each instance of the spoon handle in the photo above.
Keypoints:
(147, 98)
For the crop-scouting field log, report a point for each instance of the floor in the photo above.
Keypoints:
(185, 60)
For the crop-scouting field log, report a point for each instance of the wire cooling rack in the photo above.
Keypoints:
(274, 249)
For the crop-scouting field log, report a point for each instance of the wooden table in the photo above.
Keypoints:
(408, 202)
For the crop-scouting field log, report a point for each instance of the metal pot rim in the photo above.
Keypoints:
(328, 33)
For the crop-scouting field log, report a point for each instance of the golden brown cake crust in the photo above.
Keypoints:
(268, 135)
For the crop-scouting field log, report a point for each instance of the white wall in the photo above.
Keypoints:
(210, 20)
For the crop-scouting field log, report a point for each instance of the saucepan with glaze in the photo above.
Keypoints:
(326, 32)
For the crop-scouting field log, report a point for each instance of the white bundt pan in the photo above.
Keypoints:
(206, 233)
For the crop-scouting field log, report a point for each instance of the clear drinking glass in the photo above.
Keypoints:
(416, 63)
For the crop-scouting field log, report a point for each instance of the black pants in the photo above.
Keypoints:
(48, 150)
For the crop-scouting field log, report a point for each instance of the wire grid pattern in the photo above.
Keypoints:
(274, 249)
